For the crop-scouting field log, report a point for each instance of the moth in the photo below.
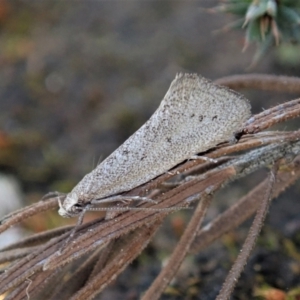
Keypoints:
(194, 116)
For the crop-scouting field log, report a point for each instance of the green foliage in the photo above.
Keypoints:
(266, 22)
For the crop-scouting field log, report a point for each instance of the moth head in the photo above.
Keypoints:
(72, 205)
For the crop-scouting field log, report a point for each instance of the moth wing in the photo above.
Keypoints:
(194, 116)
(197, 114)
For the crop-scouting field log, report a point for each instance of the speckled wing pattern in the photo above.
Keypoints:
(194, 116)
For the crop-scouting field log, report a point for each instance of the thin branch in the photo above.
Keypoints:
(254, 231)
(262, 82)
(130, 220)
(245, 207)
(178, 255)
(78, 278)
(11, 255)
(278, 114)
(26, 213)
(37, 238)
(131, 248)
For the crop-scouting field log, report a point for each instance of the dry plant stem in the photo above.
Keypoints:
(244, 208)
(279, 110)
(180, 252)
(20, 272)
(37, 238)
(262, 82)
(254, 231)
(255, 141)
(22, 287)
(46, 284)
(11, 255)
(117, 268)
(131, 248)
(280, 114)
(32, 263)
(46, 290)
(102, 259)
(131, 220)
(31, 286)
(264, 156)
(27, 212)
(92, 235)
(77, 278)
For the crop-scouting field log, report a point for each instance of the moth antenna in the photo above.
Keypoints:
(137, 208)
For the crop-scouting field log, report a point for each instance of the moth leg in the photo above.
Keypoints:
(138, 198)
(74, 229)
(208, 159)
(122, 198)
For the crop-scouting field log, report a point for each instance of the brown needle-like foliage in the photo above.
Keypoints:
(100, 250)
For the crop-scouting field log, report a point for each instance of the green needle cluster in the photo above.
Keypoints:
(266, 22)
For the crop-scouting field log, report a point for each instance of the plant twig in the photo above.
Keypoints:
(254, 231)
(245, 207)
(178, 255)
(262, 82)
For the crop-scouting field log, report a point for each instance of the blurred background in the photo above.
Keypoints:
(79, 77)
